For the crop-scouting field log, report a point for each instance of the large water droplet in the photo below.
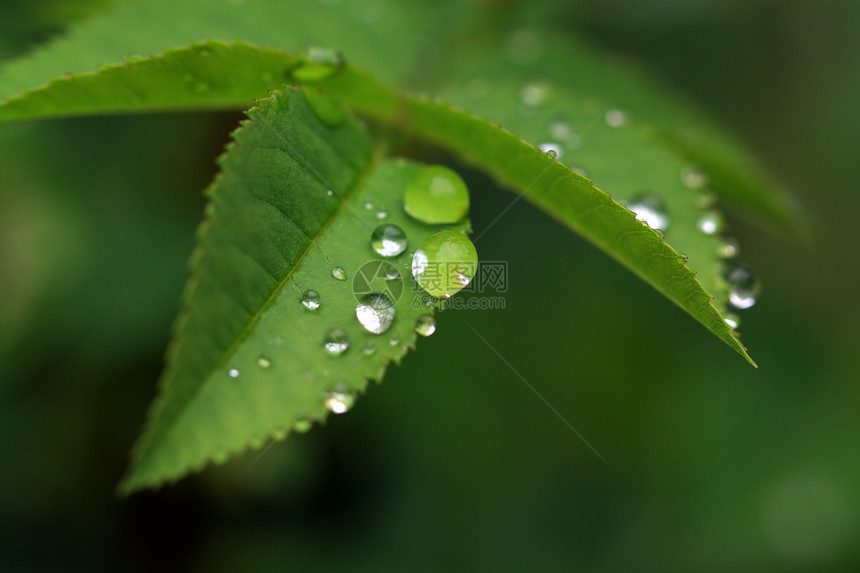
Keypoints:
(339, 401)
(425, 325)
(554, 150)
(445, 263)
(336, 341)
(743, 286)
(311, 299)
(375, 312)
(651, 210)
(388, 240)
(318, 63)
(615, 118)
(436, 194)
(263, 361)
(233, 372)
(338, 273)
(710, 223)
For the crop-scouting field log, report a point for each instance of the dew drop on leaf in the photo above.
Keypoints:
(445, 263)
(338, 273)
(552, 149)
(311, 299)
(732, 319)
(369, 349)
(263, 361)
(375, 312)
(339, 401)
(381, 215)
(336, 341)
(329, 192)
(534, 95)
(388, 240)
(728, 248)
(233, 372)
(436, 195)
(743, 286)
(394, 340)
(710, 223)
(425, 325)
(318, 63)
(651, 210)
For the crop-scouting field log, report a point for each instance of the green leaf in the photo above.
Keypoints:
(248, 362)
(627, 160)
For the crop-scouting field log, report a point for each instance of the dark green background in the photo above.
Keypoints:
(453, 463)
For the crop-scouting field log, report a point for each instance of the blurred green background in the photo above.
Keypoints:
(453, 463)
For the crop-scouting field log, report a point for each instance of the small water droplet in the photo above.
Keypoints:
(651, 210)
(375, 312)
(562, 132)
(426, 325)
(710, 223)
(436, 194)
(732, 319)
(311, 299)
(743, 286)
(729, 248)
(381, 215)
(694, 177)
(615, 118)
(336, 341)
(263, 361)
(394, 340)
(279, 435)
(368, 206)
(445, 263)
(388, 240)
(338, 273)
(234, 373)
(318, 63)
(329, 192)
(554, 150)
(369, 349)
(339, 401)
(302, 425)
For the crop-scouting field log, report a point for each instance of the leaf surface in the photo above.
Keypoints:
(248, 361)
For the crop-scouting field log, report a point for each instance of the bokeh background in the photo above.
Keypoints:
(453, 463)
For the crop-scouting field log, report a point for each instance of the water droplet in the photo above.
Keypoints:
(436, 194)
(368, 206)
(388, 240)
(302, 425)
(338, 273)
(729, 248)
(381, 215)
(375, 312)
(318, 63)
(554, 150)
(233, 372)
(391, 273)
(339, 401)
(615, 118)
(328, 111)
(369, 349)
(743, 286)
(534, 95)
(279, 435)
(329, 192)
(732, 319)
(651, 210)
(694, 177)
(562, 132)
(263, 361)
(311, 299)
(445, 263)
(426, 325)
(336, 341)
(394, 340)
(710, 223)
